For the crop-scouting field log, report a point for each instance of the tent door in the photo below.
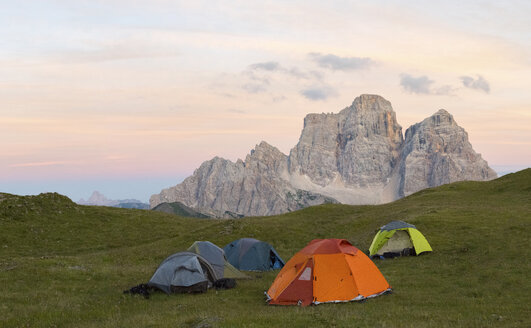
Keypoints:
(399, 241)
(300, 291)
(275, 262)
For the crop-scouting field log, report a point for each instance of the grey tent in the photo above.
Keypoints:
(183, 272)
(216, 257)
(250, 254)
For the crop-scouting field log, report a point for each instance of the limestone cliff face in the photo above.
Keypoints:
(357, 149)
(357, 156)
(437, 151)
(257, 186)
(360, 145)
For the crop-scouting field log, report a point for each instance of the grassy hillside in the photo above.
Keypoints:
(65, 265)
(180, 209)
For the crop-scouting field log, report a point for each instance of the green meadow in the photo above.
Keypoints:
(66, 265)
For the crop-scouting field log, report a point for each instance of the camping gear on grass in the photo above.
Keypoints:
(141, 289)
(250, 254)
(183, 272)
(225, 283)
(398, 238)
(216, 257)
(327, 270)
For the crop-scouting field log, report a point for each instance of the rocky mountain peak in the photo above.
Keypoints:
(266, 155)
(96, 198)
(441, 117)
(263, 149)
(367, 102)
(437, 151)
(358, 146)
(356, 156)
(99, 199)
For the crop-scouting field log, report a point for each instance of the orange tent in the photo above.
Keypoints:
(327, 270)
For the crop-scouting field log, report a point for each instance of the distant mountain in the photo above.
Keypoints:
(357, 156)
(135, 205)
(99, 199)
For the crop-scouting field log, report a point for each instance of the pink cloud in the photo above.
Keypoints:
(36, 164)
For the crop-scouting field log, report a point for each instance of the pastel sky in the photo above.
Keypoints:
(129, 97)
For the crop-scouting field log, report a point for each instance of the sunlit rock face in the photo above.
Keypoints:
(437, 151)
(357, 156)
(258, 186)
(356, 149)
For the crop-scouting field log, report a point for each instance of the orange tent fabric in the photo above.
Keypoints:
(327, 270)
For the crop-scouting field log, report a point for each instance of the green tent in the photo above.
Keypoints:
(398, 238)
(216, 257)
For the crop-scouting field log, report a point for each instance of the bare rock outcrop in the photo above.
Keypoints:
(258, 186)
(355, 150)
(357, 156)
(437, 151)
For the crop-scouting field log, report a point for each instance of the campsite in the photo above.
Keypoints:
(65, 265)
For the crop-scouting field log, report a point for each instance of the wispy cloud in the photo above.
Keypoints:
(445, 90)
(117, 157)
(423, 85)
(318, 93)
(478, 84)
(36, 164)
(419, 85)
(275, 67)
(255, 87)
(266, 66)
(261, 74)
(235, 110)
(337, 63)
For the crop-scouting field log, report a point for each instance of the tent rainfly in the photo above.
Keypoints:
(250, 254)
(327, 271)
(398, 238)
(216, 257)
(183, 272)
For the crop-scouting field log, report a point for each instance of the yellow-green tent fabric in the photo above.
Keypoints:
(397, 236)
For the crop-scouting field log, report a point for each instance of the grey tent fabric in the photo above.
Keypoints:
(250, 254)
(397, 225)
(216, 257)
(181, 271)
(210, 252)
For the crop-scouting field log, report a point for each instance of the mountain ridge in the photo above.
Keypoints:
(99, 199)
(356, 156)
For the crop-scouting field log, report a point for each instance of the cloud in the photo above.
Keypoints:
(34, 164)
(297, 73)
(237, 111)
(445, 90)
(256, 77)
(424, 85)
(318, 93)
(419, 85)
(337, 63)
(479, 84)
(262, 74)
(266, 66)
(272, 66)
(254, 87)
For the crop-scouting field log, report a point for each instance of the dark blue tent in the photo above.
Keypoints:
(249, 254)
